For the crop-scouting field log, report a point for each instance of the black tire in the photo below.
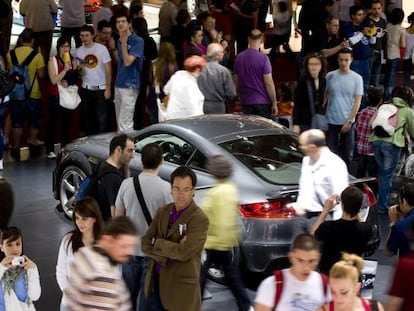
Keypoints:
(215, 273)
(69, 182)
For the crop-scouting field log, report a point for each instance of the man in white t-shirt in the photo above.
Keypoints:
(156, 193)
(96, 71)
(302, 288)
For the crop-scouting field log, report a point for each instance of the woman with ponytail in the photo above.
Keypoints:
(345, 285)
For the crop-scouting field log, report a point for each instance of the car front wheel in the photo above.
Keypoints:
(70, 180)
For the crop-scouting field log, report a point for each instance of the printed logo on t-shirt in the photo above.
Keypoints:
(91, 61)
(303, 302)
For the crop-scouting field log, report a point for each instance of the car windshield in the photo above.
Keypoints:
(275, 158)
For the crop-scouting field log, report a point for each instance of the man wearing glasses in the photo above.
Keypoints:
(401, 217)
(174, 242)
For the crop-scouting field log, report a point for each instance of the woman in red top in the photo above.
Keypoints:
(345, 287)
(66, 74)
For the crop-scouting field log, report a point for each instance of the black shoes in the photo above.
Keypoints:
(15, 154)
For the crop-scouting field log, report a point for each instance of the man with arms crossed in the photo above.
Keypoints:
(174, 241)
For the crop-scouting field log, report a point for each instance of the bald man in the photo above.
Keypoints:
(323, 174)
(215, 81)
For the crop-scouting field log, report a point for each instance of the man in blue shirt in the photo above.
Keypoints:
(401, 217)
(128, 79)
(357, 32)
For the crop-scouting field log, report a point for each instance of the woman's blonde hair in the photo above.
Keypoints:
(166, 57)
(349, 267)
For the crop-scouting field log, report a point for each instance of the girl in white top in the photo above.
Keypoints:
(88, 226)
(409, 51)
(19, 277)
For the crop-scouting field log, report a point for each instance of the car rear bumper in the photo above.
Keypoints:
(266, 242)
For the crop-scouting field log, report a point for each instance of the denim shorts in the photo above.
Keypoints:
(30, 110)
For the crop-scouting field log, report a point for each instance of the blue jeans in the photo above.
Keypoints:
(392, 69)
(362, 66)
(387, 156)
(407, 65)
(134, 273)
(3, 110)
(341, 143)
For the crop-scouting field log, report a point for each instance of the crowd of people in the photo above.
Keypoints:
(154, 230)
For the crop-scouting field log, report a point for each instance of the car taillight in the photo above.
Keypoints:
(275, 210)
(372, 200)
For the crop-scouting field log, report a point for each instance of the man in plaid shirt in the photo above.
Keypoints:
(366, 159)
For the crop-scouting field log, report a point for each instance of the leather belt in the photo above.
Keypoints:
(94, 87)
(310, 214)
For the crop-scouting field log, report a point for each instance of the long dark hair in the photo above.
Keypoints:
(87, 207)
(321, 58)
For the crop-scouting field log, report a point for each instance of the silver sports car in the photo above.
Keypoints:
(267, 161)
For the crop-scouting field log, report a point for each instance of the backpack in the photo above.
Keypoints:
(385, 121)
(278, 274)
(20, 75)
(91, 186)
(6, 83)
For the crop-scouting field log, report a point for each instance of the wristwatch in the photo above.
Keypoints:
(349, 122)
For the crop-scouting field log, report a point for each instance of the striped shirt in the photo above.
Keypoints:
(95, 282)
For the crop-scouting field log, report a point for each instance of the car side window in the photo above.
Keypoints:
(198, 161)
(175, 149)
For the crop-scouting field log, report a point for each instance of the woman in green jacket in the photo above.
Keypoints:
(387, 150)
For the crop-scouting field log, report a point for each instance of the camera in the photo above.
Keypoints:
(18, 261)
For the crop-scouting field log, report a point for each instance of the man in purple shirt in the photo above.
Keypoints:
(174, 242)
(254, 79)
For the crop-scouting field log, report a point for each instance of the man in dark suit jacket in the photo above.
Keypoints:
(174, 241)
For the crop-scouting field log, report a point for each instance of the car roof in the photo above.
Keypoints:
(216, 127)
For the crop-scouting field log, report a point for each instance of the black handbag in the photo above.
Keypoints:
(318, 121)
(6, 83)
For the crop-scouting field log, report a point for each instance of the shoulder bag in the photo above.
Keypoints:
(141, 200)
(318, 120)
(68, 96)
(6, 83)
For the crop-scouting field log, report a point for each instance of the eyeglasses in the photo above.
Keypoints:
(182, 190)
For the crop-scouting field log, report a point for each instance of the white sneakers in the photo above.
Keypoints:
(51, 155)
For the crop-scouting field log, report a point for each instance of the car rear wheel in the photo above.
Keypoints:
(70, 180)
(215, 272)
(409, 167)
